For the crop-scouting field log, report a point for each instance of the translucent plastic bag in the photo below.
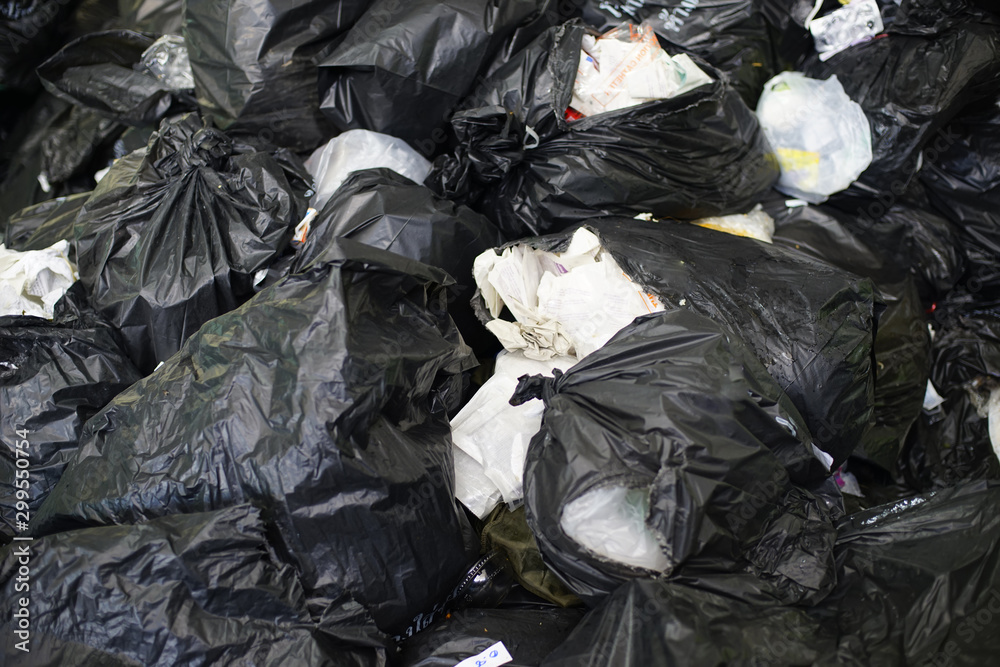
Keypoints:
(821, 137)
(355, 150)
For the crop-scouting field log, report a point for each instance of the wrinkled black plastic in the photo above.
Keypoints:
(902, 344)
(254, 68)
(730, 34)
(678, 405)
(380, 208)
(909, 86)
(54, 376)
(404, 66)
(39, 226)
(174, 235)
(98, 72)
(527, 634)
(322, 401)
(917, 585)
(199, 589)
(962, 174)
(161, 17)
(809, 323)
(701, 153)
(30, 30)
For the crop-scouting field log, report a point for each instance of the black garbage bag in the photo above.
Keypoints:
(404, 66)
(54, 376)
(380, 208)
(902, 345)
(670, 450)
(159, 17)
(961, 172)
(38, 227)
(949, 445)
(322, 401)
(102, 72)
(57, 154)
(809, 323)
(732, 35)
(254, 64)
(30, 31)
(909, 86)
(654, 622)
(917, 585)
(527, 634)
(698, 154)
(919, 581)
(174, 235)
(197, 589)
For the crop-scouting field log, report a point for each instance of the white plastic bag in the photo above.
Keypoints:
(355, 150)
(32, 282)
(611, 522)
(756, 224)
(568, 303)
(625, 67)
(491, 436)
(821, 137)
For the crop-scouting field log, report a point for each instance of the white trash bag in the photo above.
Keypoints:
(821, 137)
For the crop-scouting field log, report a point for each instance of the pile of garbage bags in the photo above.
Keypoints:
(499, 332)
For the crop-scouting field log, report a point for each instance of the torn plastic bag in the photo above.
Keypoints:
(902, 343)
(382, 209)
(322, 401)
(671, 451)
(810, 324)
(729, 34)
(909, 87)
(41, 225)
(528, 635)
(820, 135)
(102, 72)
(919, 581)
(495, 434)
(31, 282)
(961, 172)
(174, 234)
(651, 622)
(531, 171)
(254, 68)
(54, 375)
(199, 589)
(356, 150)
(403, 68)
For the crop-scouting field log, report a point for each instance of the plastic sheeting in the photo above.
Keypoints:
(323, 402)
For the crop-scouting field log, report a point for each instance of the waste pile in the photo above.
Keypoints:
(499, 332)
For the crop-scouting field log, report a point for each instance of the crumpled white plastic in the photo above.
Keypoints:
(568, 303)
(625, 67)
(821, 137)
(756, 224)
(611, 522)
(491, 436)
(31, 282)
(355, 150)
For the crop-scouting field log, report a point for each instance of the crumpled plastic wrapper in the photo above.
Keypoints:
(167, 61)
(32, 282)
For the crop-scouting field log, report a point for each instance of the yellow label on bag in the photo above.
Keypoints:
(804, 162)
